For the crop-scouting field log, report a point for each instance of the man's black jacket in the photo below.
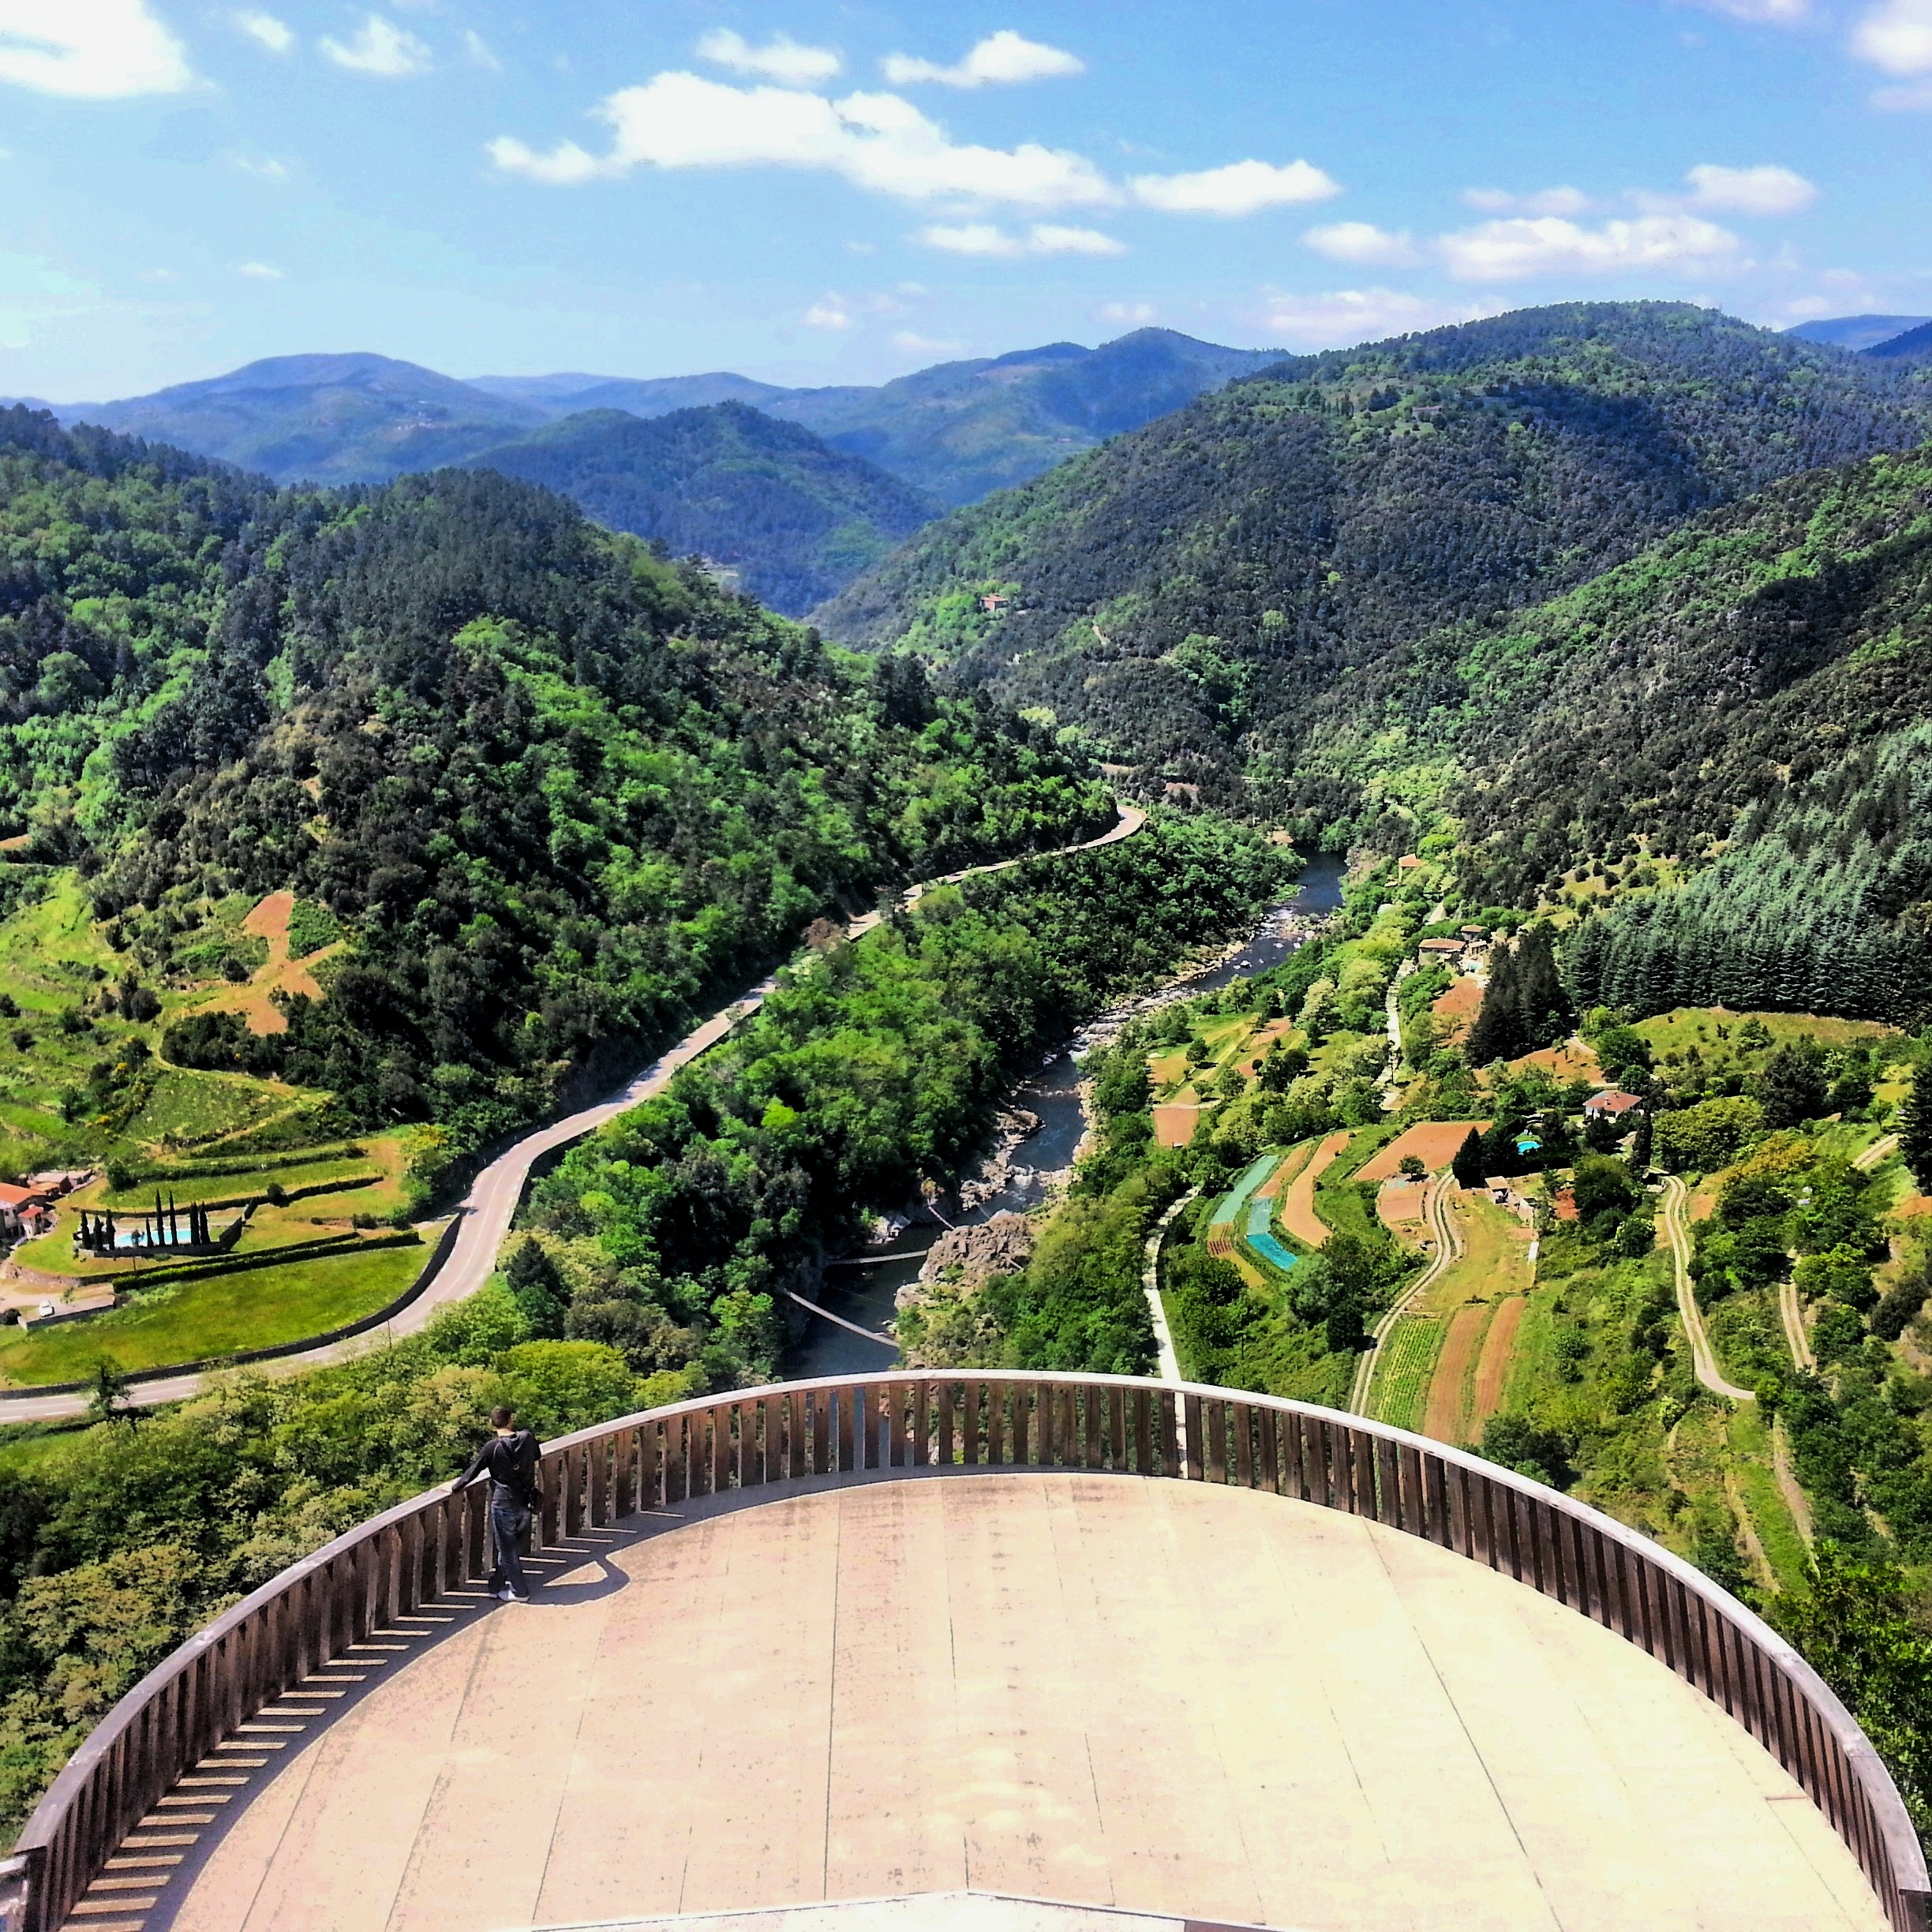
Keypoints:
(511, 1463)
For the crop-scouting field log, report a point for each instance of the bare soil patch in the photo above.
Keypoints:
(1443, 1418)
(1173, 1123)
(1297, 1214)
(1433, 1142)
(1401, 1204)
(1566, 1062)
(1458, 1007)
(1495, 1362)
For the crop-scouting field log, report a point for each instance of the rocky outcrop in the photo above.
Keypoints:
(1000, 1246)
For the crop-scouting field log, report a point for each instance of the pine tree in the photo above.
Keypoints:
(1914, 1130)
(1497, 1031)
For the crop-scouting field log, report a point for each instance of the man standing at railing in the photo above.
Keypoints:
(510, 1457)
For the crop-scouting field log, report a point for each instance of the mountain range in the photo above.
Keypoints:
(955, 431)
(1861, 334)
(1215, 597)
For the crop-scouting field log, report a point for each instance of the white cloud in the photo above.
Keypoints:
(89, 49)
(880, 142)
(565, 166)
(1502, 251)
(1896, 35)
(265, 30)
(829, 312)
(380, 47)
(1002, 57)
(1751, 190)
(1137, 314)
(1343, 317)
(258, 272)
(913, 344)
(781, 59)
(1363, 243)
(1042, 238)
(481, 51)
(1547, 201)
(1241, 188)
(1760, 12)
(264, 165)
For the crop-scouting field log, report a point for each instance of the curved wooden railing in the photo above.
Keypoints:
(934, 1421)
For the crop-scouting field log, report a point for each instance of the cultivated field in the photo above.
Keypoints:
(1433, 1142)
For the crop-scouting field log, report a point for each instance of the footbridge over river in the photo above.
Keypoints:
(1003, 1652)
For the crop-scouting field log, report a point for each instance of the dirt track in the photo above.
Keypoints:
(1297, 1212)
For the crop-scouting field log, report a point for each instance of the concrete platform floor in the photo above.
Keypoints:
(1155, 1696)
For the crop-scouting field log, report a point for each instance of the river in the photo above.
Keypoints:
(862, 1290)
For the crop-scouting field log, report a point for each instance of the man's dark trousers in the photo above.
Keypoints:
(509, 1523)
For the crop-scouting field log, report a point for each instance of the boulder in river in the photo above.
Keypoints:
(1000, 1246)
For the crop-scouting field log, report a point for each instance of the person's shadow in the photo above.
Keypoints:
(567, 1561)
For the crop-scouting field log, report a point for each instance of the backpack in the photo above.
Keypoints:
(513, 1466)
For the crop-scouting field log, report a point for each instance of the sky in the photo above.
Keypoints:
(843, 192)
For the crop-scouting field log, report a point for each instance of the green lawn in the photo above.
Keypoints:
(221, 1313)
(362, 1174)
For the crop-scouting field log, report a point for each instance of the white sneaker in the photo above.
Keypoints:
(505, 1595)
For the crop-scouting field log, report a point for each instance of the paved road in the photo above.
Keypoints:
(1448, 1251)
(1677, 1229)
(491, 1204)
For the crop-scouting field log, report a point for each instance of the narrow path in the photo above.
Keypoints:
(1448, 1251)
(1795, 1500)
(1390, 1099)
(1791, 1311)
(1150, 1282)
(1677, 1229)
(488, 1208)
(1875, 1153)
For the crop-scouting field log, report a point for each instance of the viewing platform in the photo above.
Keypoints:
(846, 1670)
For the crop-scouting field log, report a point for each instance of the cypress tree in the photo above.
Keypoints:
(1468, 1165)
(1498, 1029)
(1914, 1130)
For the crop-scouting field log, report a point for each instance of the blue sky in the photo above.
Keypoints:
(844, 192)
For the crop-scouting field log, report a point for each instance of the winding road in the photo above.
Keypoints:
(487, 1209)
(1448, 1251)
(1677, 1230)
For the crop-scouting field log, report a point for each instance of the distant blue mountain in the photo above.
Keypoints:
(1914, 345)
(320, 418)
(1856, 332)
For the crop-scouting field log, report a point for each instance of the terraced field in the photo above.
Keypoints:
(1407, 1370)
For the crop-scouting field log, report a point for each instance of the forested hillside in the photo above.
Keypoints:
(1201, 597)
(1746, 703)
(797, 519)
(552, 789)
